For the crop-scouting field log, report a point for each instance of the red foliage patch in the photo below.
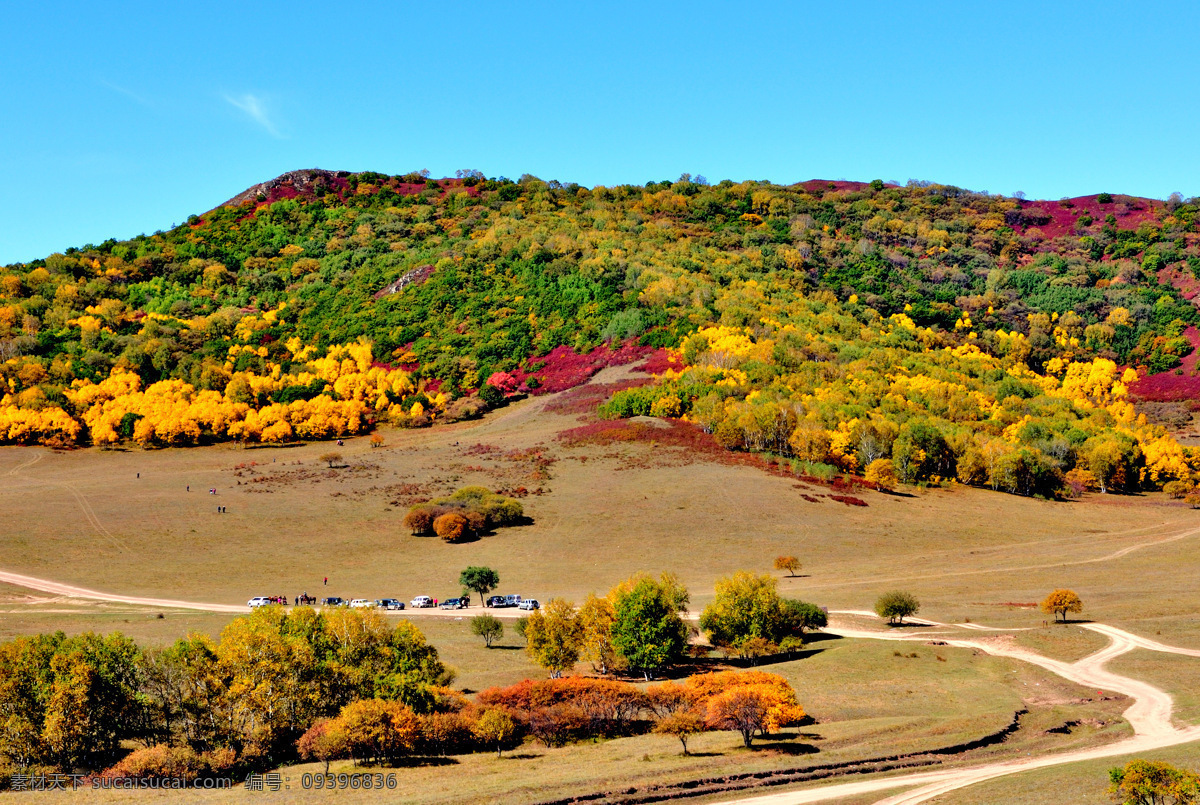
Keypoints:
(1187, 285)
(563, 368)
(1130, 212)
(848, 500)
(839, 186)
(1168, 386)
(586, 398)
(660, 361)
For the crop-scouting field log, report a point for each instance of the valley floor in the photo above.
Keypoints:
(112, 540)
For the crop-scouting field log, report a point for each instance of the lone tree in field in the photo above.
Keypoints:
(789, 563)
(331, 458)
(1060, 602)
(896, 606)
(479, 579)
(487, 627)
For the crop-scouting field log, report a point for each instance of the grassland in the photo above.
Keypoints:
(85, 517)
(124, 522)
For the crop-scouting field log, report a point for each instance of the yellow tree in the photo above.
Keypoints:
(1060, 602)
(554, 636)
(789, 563)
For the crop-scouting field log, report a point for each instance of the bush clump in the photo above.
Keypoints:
(470, 512)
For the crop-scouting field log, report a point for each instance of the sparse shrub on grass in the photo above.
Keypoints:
(331, 458)
(488, 627)
(896, 606)
(682, 725)
(1177, 489)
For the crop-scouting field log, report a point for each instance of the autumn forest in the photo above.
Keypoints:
(917, 334)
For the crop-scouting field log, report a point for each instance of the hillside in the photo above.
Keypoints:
(932, 332)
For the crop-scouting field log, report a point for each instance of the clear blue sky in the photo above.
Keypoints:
(122, 118)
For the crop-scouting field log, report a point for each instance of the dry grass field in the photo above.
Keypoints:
(125, 522)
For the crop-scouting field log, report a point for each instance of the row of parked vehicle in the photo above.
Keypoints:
(501, 601)
(420, 602)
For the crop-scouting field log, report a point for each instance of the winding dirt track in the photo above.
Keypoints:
(69, 591)
(1149, 715)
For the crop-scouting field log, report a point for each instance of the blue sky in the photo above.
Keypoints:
(125, 118)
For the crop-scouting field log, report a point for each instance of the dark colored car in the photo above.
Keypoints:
(389, 603)
(455, 603)
(333, 601)
(497, 601)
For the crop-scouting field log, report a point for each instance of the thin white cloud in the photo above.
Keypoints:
(253, 106)
(124, 91)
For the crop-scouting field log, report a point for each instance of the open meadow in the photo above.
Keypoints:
(138, 523)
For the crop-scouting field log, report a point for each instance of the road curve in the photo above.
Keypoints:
(1149, 715)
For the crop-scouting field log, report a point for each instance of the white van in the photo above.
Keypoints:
(421, 601)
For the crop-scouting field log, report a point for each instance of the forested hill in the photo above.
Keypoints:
(959, 334)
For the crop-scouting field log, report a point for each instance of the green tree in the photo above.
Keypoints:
(647, 630)
(479, 579)
(746, 605)
(896, 606)
(800, 617)
(488, 627)
(554, 635)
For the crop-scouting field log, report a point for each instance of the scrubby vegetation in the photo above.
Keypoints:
(958, 335)
(319, 685)
(70, 703)
(469, 512)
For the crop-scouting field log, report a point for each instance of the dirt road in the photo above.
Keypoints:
(70, 591)
(1149, 715)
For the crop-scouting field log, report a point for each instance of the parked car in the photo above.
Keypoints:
(455, 603)
(362, 603)
(512, 600)
(496, 601)
(420, 602)
(529, 604)
(258, 601)
(333, 601)
(389, 603)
